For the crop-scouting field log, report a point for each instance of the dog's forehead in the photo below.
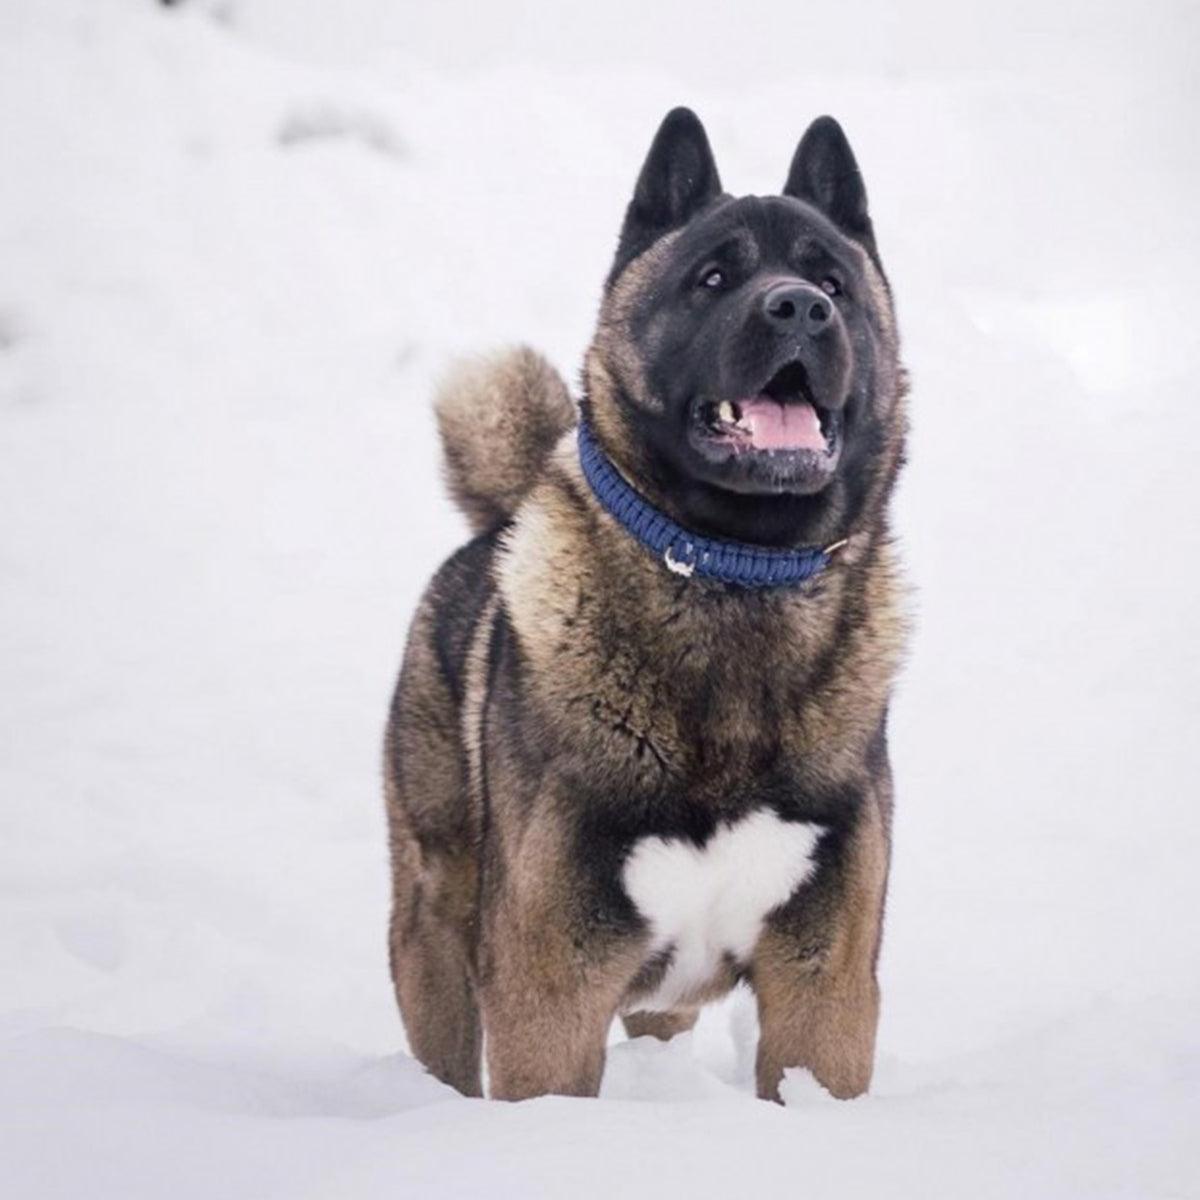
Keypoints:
(768, 224)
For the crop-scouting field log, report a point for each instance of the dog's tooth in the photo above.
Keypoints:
(725, 412)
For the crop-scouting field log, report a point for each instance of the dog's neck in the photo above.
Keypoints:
(686, 552)
(575, 583)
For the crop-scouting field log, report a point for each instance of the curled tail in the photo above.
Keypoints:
(499, 416)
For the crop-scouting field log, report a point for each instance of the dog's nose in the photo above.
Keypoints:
(798, 306)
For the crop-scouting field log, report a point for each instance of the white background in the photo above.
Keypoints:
(238, 243)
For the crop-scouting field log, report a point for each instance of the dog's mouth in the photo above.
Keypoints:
(783, 418)
(781, 439)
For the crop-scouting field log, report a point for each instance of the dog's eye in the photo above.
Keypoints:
(831, 285)
(713, 279)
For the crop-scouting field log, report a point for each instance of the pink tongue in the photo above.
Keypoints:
(775, 426)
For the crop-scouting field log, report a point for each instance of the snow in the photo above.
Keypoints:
(241, 239)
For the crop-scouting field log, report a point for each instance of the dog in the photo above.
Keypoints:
(637, 752)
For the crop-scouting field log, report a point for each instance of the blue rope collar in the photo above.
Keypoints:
(688, 553)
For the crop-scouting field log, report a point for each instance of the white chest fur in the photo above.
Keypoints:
(707, 901)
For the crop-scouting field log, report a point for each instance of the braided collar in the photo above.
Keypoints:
(687, 553)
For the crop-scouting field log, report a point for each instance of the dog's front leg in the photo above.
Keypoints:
(548, 1001)
(820, 1021)
(814, 973)
(552, 981)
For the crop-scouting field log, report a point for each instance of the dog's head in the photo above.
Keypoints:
(745, 370)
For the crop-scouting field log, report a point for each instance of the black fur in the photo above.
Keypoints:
(678, 179)
(824, 173)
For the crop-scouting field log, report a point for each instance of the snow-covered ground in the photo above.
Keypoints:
(238, 241)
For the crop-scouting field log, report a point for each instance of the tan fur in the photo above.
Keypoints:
(661, 1025)
(560, 549)
(611, 356)
(499, 417)
(547, 1006)
(434, 871)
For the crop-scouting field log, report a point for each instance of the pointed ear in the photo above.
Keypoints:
(679, 177)
(825, 175)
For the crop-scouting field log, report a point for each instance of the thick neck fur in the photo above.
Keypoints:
(626, 650)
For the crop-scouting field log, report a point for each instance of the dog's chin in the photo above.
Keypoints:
(763, 473)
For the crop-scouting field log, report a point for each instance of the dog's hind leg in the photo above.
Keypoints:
(433, 838)
(661, 1025)
(431, 962)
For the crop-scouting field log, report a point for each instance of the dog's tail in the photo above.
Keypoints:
(499, 417)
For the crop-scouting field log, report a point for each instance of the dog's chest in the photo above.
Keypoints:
(706, 903)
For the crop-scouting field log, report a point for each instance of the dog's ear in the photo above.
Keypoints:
(679, 177)
(825, 175)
